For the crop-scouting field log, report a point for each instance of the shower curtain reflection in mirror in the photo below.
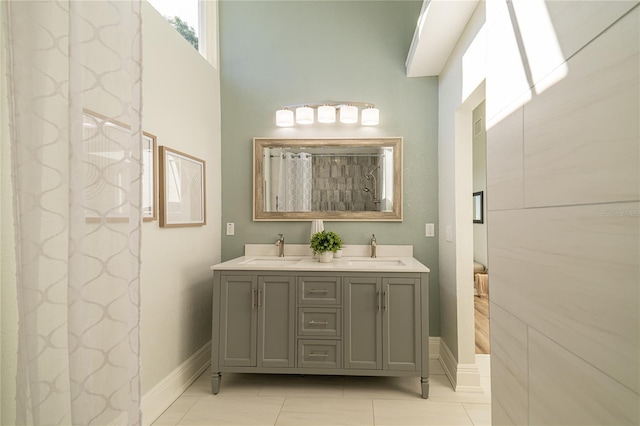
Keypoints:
(289, 189)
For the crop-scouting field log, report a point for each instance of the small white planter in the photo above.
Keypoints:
(326, 257)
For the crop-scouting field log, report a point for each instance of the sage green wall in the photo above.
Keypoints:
(275, 53)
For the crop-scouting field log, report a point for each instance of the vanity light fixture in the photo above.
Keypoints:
(348, 110)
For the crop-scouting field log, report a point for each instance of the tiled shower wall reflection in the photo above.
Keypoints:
(339, 182)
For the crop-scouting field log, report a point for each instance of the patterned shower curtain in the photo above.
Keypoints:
(78, 261)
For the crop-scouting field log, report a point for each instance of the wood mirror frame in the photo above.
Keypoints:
(260, 144)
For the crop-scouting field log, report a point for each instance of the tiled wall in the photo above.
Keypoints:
(563, 183)
(339, 183)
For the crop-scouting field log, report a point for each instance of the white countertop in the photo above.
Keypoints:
(309, 263)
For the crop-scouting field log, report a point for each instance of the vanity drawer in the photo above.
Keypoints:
(319, 291)
(319, 322)
(319, 353)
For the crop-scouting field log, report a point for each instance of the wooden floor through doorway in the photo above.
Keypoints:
(481, 305)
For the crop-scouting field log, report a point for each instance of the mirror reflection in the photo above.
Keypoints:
(331, 179)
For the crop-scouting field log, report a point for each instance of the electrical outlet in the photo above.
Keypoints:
(429, 230)
(231, 228)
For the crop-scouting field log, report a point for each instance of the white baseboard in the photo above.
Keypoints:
(463, 377)
(162, 395)
(434, 347)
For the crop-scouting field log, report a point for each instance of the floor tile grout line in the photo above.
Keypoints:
(373, 412)
(467, 413)
(284, 400)
(189, 409)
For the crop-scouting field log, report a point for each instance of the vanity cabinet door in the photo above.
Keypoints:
(238, 320)
(363, 323)
(401, 324)
(276, 321)
(382, 323)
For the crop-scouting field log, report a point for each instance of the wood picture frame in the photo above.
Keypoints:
(106, 149)
(182, 192)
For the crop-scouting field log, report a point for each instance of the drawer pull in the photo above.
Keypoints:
(314, 322)
(319, 291)
(318, 355)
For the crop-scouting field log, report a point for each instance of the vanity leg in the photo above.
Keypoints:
(216, 378)
(425, 387)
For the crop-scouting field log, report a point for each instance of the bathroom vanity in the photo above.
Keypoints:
(293, 315)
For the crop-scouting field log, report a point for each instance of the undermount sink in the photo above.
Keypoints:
(272, 261)
(375, 261)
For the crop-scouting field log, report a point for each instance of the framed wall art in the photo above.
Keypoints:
(182, 192)
(107, 167)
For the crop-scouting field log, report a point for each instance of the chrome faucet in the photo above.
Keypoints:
(280, 244)
(374, 245)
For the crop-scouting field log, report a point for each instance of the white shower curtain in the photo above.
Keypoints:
(77, 261)
(293, 183)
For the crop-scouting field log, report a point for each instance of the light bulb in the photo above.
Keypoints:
(370, 116)
(304, 115)
(326, 114)
(284, 118)
(348, 114)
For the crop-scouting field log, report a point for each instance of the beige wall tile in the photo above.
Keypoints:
(564, 389)
(575, 23)
(581, 136)
(507, 82)
(505, 163)
(572, 273)
(509, 364)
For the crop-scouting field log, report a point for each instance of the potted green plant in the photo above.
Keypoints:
(324, 244)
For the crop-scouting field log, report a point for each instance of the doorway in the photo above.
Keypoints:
(480, 258)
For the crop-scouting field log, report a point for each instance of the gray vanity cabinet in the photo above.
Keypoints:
(257, 321)
(317, 322)
(382, 323)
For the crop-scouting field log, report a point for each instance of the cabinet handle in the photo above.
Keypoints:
(318, 290)
(253, 298)
(318, 355)
(385, 300)
(314, 322)
(259, 299)
(378, 299)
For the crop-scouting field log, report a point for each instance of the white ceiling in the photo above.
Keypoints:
(439, 27)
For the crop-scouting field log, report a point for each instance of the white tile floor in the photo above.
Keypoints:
(261, 399)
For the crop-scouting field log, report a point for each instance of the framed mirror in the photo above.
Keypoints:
(329, 179)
